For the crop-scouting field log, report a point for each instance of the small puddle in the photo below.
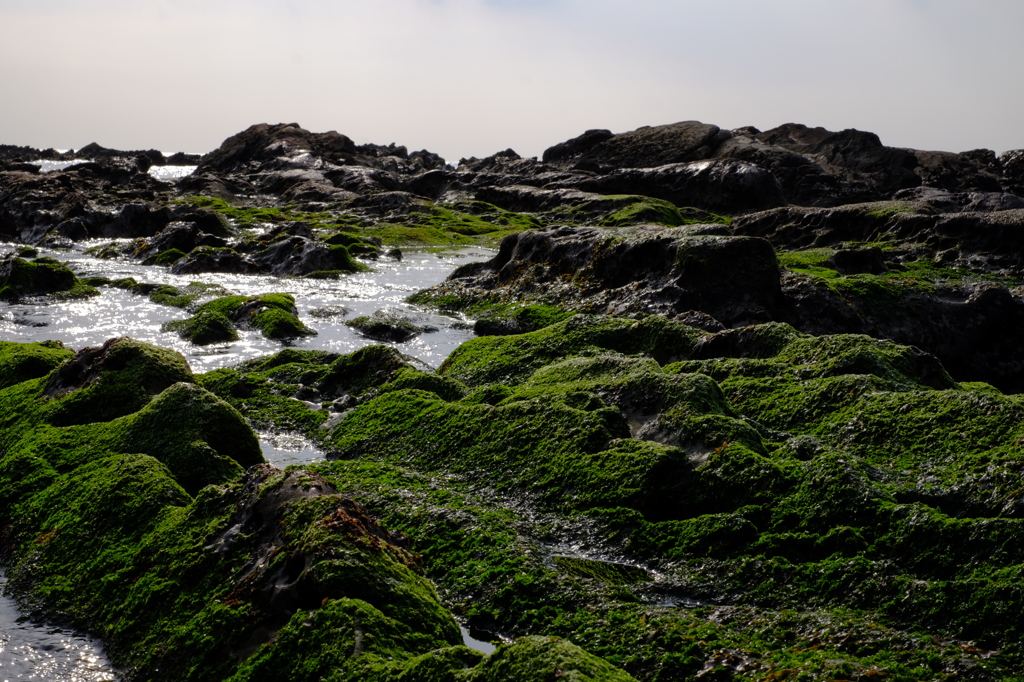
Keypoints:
(479, 645)
(284, 450)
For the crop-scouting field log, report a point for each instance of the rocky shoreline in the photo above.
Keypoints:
(743, 405)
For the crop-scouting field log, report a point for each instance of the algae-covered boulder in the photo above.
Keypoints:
(274, 576)
(124, 397)
(204, 328)
(23, 361)
(21, 279)
(141, 527)
(274, 315)
(721, 485)
(112, 380)
(304, 390)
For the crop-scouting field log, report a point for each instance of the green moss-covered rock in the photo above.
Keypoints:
(169, 257)
(20, 279)
(215, 321)
(112, 380)
(806, 473)
(276, 392)
(23, 361)
(544, 658)
(389, 324)
(681, 504)
(272, 577)
(510, 359)
(204, 328)
(142, 528)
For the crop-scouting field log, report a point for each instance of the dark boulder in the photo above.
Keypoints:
(974, 171)
(572, 150)
(645, 147)
(183, 159)
(98, 153)
(391, 324)
(624, 270)
(1011, 164)
(182, 236)
(215, 259)
(723, 185)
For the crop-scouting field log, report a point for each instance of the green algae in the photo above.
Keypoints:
(512, 358)
(204, 328)
(460, 223)
(44, 276)
(120, 398)
(783, 461)
(113, 380)
(605, 571)
(187, 570)
(166, 294)
(641, 210)
(168, 257)
(900, 276)
(23, 361)
(248, 216)
(773, 504)
(384, 327)
(215, 321)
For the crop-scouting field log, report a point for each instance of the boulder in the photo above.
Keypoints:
(635, 269)
(645, 147)
(722, 185)
(391, 324)
(274, 315)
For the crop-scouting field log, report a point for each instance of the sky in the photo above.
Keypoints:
(469, 78)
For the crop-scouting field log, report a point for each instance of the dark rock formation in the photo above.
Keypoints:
(391, 324)
(642, 269)
(645, 147)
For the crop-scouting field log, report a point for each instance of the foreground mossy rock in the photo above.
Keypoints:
(752, 486)
(20, 362)
(21, 279)
(143, 530)
(278, 392)
(123, 397)
(217, 321)
(271, 577)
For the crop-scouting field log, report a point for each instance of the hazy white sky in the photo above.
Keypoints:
(472, 77)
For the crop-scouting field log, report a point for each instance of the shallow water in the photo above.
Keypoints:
(473, 643)
(166, 173)
(116, 312)
(32, 651)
